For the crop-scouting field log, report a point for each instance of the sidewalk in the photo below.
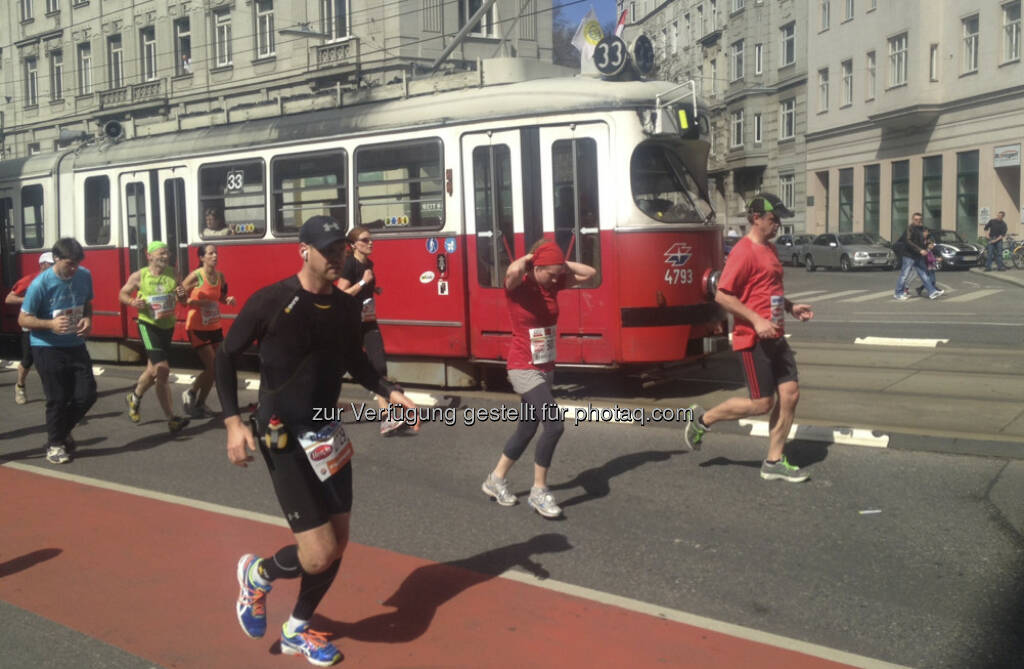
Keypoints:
(1013, 276)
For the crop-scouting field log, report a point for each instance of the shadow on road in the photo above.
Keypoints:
(799, 452)
(23, 562)
(596, 481)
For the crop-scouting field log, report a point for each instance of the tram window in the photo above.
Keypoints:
(308, 185)
(135, 210)
(492, 195)
(663, 188)
(32, 217)
(97, 210)
(400, 186)
(577, 214)
(7, 245)
(236, 191)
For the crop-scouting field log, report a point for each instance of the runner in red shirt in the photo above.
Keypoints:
(532, 284)
(751, 290)
(17, 297)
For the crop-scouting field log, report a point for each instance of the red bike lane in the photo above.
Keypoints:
(155, 578)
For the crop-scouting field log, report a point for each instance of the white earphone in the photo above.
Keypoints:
(305, 255)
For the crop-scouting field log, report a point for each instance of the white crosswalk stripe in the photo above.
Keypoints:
(870, 296)
(973, 295)
(842, 293)
(791, 296)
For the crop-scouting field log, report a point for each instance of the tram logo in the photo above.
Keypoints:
(678, 254)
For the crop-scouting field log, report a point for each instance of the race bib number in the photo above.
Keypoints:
(162, 306)
(74, 315)
(542, 345)
(328, 449)
(369, 310)
(210, 312)
(778, 309)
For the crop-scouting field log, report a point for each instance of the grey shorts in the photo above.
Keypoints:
(525, 380)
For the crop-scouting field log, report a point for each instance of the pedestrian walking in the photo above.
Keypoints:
(309, 334)
(152, 291)
(751, 290)
(58, 313)
(532, 284)
(17, 297)
(911, 248)
(995, 229)
(204, 290)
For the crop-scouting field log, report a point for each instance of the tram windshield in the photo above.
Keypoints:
(663, 188)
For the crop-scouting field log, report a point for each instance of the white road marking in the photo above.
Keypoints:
(842, 293)
(626, 603)
(870, 296)
(422, 399)
(252, 384)
(804, 294)
(188, 379)
(898, 341)
(973, 295)
(849, 436)
(98, 371)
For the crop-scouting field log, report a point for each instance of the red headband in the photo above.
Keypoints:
(548, 254)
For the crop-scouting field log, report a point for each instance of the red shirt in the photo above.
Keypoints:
(22, 284)
(531, 306)
(753, 273)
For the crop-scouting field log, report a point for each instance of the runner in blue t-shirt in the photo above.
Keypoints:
(58, 312)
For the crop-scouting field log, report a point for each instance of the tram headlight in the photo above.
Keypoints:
(710, 282)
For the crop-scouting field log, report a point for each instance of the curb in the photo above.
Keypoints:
(999, 276)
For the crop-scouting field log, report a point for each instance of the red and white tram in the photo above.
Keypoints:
(454, 185)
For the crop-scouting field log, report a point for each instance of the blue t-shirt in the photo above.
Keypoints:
(49, 296)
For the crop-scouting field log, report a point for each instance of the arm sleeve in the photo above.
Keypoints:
(359, 366)
(247, 328)
(734, 274)
(350, 271)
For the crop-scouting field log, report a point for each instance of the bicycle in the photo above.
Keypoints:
(1017, 254)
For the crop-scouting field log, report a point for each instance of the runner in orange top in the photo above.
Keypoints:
(207, 289)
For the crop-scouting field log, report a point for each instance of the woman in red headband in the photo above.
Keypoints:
(531, 286)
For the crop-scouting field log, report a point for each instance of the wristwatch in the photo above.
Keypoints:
(362, 282)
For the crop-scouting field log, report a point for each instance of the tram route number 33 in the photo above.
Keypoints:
(675, 277)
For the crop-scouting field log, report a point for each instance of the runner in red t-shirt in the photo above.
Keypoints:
(751, 289)
(16, 297)
(532, 284)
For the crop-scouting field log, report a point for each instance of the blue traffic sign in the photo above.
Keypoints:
(431, 244)
(449, 244)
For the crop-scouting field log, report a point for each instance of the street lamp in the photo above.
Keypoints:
(303, 30)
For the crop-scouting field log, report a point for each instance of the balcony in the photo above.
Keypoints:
(335, 54)
(146, 94)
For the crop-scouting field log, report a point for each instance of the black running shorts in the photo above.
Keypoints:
(156, 340)
(307, 502)
(767, 365)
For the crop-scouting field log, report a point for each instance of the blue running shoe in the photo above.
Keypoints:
(251, 607)
(314, 645)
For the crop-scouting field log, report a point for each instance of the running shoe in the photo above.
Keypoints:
(391, 426)
(902, 297)
(56, 454)
(133, 403)
(19, 394)
(782, 471)
(936, 295)
(543, 502)
(176, 424)
(498, 489)
(188, 399)
(251, 607)
(314, 645)
(693, 433)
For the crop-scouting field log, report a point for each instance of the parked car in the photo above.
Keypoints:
(791, 247)
(847, 251)
(953, 252)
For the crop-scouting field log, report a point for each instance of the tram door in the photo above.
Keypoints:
(9, 272)
(494, 222)
(572, 158)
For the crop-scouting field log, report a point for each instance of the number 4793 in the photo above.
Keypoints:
(678, 276)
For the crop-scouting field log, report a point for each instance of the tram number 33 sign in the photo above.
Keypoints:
(610, 56)
(678, 276)
(236, 180)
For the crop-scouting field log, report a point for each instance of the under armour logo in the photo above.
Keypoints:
(331, 225)
(292, 516)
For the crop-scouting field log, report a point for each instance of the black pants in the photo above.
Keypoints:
(69, 386)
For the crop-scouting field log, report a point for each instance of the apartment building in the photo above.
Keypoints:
(915, 105)
(749, 60)
(158, 66)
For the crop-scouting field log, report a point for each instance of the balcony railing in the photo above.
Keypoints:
(147, 91)
(338, 53)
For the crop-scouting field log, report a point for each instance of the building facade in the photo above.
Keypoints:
(158, 66)
(915, 106)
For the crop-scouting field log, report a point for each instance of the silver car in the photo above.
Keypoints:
(847, 251)
(791, 248)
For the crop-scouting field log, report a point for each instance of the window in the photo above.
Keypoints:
(869, 75)
(714, 15)
(900, 197)
(846, 199)
(787, 118)
(97, 210)
(872, 197)
(1011, 31)
(714, 76)
(898, 60)
(400, 186)
(31, 82)
(847, 93)
(147, 40)
(872, 5)
(52, 6)
(736, 60)
(57, 75)
(826, 13)
(757, 128)
(138, 232)
(115, 62)
(788, 51)
(787, 190)
(969, 59)
(931, 192)
(222, 37)
(737, 5)
(333, 19)
(34, 149)
(933, 63)
(176, 222)
(848, 10)
(736, 129)
(486, 26)
(687, 29)
(308, 185)
(675, 37)
(758, 58)
(26, 10)
(492, 197)
(84, 69)
(264, 28)
(702, 25)
(574, 177)
(823, 90)
(32, 217)
(967, 194)
(663, 189)
(182, 47)
(236, 189)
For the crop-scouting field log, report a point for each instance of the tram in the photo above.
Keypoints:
(454, 184)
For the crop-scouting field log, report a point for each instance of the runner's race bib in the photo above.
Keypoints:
(328, 449)
(74, 315)
(542, 345)
(210, 312)
(778, 309)
(162, 306)
(369, 310)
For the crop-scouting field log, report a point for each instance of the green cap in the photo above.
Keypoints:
(155, 246)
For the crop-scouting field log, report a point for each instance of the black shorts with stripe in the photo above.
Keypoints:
(157, 341)
(767, 365)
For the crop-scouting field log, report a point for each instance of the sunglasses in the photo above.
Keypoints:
(365, 239)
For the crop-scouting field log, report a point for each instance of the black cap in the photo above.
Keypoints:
(320, 232)
(764, 203)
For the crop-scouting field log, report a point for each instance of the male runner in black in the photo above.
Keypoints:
(309, 335)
